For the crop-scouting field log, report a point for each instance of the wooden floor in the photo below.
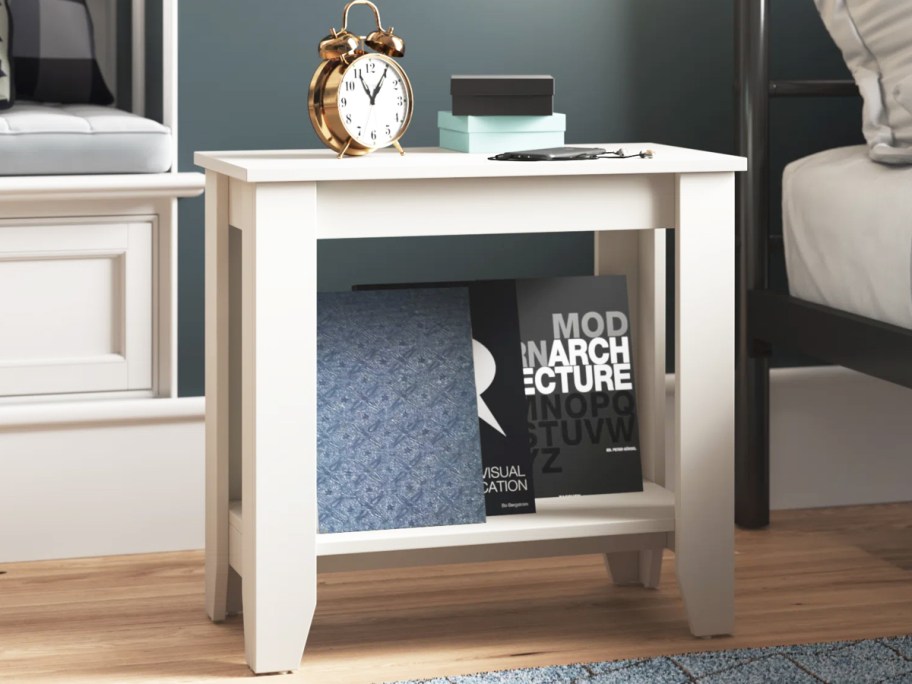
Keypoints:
(814, 576)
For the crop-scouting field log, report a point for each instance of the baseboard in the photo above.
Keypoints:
(837, 438)
(101, 478)
(107, 478)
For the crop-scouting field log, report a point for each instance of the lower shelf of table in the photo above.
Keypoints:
(563, 526)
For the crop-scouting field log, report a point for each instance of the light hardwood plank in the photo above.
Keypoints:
(817, 575)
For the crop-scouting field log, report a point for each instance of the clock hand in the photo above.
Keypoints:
(366, 89)
(379, 83)
(370, 115)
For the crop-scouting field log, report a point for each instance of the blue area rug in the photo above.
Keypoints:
(887, 660)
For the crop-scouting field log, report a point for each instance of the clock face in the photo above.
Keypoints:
(373, 101)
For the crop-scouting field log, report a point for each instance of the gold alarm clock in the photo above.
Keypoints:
(360, 100)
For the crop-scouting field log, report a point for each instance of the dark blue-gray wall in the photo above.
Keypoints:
(625, 70)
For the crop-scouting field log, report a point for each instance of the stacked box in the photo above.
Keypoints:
(495, 114)
(502, 95)
(496, 134)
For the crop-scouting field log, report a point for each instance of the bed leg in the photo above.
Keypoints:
(751, 363)
(752, 483)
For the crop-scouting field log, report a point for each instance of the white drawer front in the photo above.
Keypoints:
(76, 306)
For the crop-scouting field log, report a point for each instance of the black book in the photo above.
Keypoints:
(505, 454)
(578, 380)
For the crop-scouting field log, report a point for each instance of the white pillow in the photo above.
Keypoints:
(875, 37)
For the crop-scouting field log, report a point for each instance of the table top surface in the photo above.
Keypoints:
(284, 166)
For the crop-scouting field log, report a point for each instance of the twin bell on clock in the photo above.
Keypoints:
(360, 98)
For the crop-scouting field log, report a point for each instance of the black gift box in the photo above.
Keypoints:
(502, 95)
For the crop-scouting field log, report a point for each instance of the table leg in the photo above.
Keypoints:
(704, 368)
(640, 255)
(279, 351)
(217, 383)
(636, 567)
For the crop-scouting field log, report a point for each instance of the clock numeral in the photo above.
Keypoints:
(349, 85)
(348, 118)
(343, 102)
(358, 74)
(397, 117)
(400, 100)
(389, 132)
(374, 134)
(359, 130)
(396, 84)
(371, 67)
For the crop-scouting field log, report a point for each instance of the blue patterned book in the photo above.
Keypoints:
(397, 419)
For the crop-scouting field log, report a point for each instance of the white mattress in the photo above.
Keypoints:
(42, 139)
(847, 226)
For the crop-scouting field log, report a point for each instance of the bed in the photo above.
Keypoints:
(847, 233)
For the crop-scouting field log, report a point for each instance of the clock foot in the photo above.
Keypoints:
(345, 149)
(399, 147)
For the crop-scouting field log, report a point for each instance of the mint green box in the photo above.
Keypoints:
(500, 133)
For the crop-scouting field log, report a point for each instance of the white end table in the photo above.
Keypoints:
(265, 212)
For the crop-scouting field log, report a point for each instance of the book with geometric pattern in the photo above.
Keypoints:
(397, 418)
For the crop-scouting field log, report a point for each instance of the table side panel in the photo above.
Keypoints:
(471, 206)
(241, 203)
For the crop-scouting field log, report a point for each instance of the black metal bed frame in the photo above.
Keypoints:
(765, 318)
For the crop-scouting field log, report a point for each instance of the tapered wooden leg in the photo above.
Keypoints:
(217, 395)
(279, 498)
(635, 567)
(704, 367)
(235, 604)
(640, 255)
